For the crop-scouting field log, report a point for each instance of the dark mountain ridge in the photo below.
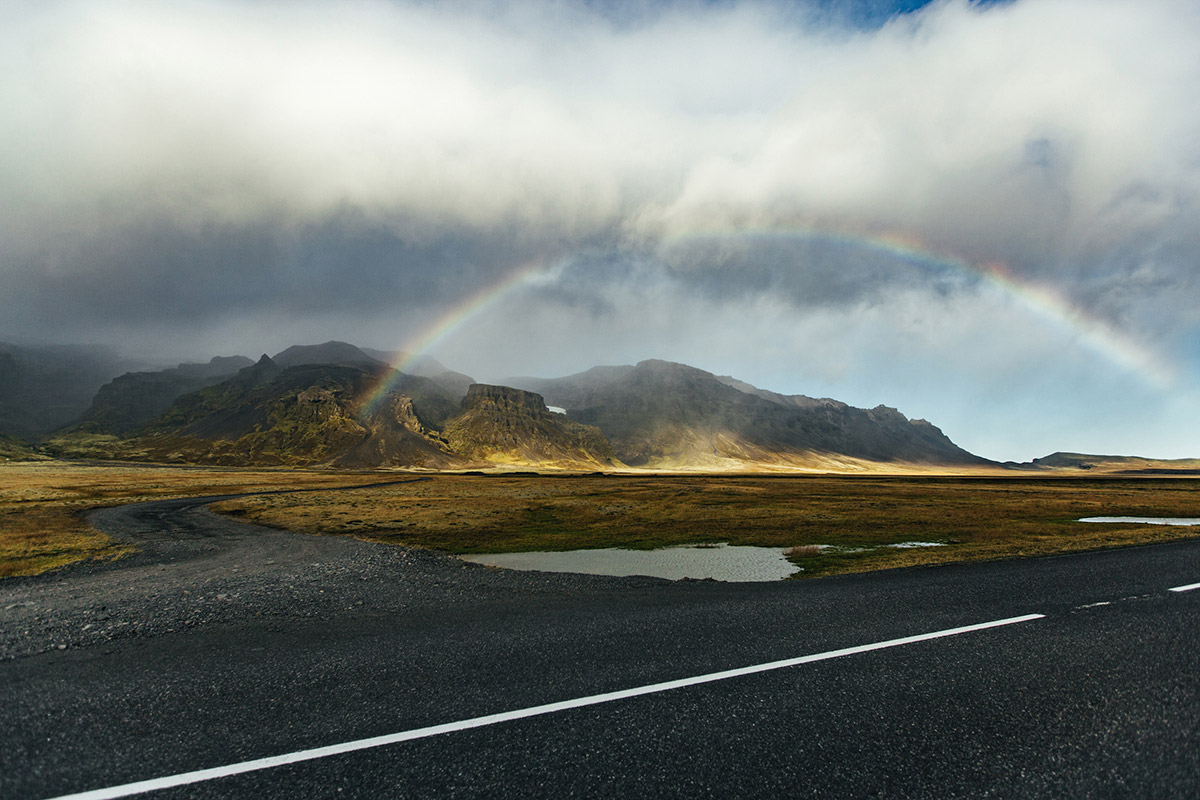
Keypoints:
(331, 352)
(135, 398)
(335, 404)
(663, 413)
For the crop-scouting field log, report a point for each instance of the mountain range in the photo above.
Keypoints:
(663, 414)
(338, 405)
(44, 387)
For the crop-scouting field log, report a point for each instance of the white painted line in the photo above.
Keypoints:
(1187, 588)
(184, 778)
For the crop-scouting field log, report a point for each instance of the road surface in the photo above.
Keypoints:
(222, 644)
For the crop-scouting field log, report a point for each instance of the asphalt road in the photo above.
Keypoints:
(223, 643)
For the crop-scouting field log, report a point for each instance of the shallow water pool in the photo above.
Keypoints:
(724, 562)
(1147, 520)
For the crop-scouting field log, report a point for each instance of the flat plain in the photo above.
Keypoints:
(42, 503)
(831, 524)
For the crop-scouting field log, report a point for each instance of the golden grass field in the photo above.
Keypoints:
(976, 517)
(41, 503)
(852, 518)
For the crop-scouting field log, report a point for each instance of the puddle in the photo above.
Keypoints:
(841, 550)
(722, 562)
(1147, 520)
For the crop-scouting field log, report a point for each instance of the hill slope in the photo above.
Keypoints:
(660, 413)
(133, 399)
(303, 415)
(501, 424)
(1116, 464)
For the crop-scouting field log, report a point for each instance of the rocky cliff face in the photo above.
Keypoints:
(303, 415)
(501, 424)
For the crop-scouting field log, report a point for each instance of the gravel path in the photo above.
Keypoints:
(196, 568)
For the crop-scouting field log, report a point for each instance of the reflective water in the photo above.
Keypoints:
(720, 562)
(1147, 520)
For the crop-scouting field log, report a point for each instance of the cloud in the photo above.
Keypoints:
(207, 166)
(1028, 130)
(1000, 380)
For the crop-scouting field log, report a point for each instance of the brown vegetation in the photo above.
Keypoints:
(852, 519)
(41, 504)
(830, 524)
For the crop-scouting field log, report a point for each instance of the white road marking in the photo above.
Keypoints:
(184, 778)
(1187, 588)
(1096, 605)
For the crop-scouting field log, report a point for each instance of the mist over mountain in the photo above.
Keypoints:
(456, 383)
(43, 387)
(135, 398)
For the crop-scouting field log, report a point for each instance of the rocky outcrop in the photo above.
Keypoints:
(505, 425)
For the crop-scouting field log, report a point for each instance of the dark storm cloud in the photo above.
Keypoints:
(807, 269)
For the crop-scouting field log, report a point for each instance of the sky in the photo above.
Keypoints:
(983, 214)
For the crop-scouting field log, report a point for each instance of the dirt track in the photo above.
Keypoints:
(195, 568)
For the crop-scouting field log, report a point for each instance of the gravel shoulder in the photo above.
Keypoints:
(194, 568)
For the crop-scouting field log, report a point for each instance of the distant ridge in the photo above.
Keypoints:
(308, 405)
(1115, 464)
(135, 398)
(661, 413)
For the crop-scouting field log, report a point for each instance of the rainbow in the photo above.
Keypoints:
(1093, 334)
(456, 317)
